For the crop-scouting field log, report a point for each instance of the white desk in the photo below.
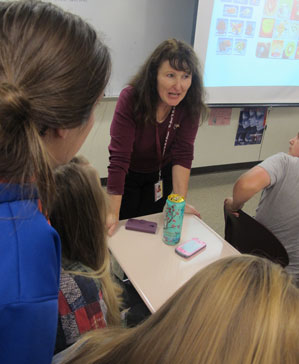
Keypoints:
(153, 267)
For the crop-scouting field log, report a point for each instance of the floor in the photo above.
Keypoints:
(207, 193)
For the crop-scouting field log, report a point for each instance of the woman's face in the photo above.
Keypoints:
(172, 85)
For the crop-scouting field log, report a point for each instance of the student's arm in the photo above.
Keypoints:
(246, 187)
(180, 181)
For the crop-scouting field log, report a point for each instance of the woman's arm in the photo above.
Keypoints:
(121, 145)
(113, 215)
(180, 181)
(182, 156)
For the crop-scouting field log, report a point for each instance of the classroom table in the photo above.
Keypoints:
(154, 268)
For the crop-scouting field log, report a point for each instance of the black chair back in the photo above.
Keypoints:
(250, 237)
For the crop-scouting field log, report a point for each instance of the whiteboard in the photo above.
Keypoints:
(133, 28)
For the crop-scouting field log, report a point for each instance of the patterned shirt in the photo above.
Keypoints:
(80, 304)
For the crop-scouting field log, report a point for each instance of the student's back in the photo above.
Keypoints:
(278, 208)
(30, 265)
(278, 179)
(88, 297)
(53, 70)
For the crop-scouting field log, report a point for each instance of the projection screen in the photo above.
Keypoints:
(249, 50)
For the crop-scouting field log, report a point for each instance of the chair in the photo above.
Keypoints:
(250, 237)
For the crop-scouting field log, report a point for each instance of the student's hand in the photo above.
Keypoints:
(111, 223)
(228, 205)
(189, 209)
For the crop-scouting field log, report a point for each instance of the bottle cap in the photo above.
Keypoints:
(176, 198)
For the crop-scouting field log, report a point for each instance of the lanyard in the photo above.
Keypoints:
(158, 145)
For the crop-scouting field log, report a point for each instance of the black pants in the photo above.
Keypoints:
(138, 312)
(139, 197)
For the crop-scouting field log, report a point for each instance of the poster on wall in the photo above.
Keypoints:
(220, 116)
(251, 125)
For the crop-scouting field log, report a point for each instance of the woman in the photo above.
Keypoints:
(153, 132)
(79, 214)
(240, 309)
(53, 70)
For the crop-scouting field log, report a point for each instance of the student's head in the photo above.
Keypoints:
(241, 309)
(294, 146)
(78, 214)
(171, 59)
(53, 69)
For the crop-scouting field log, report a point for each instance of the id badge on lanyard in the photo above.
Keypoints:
(158, 186)
(158, 190)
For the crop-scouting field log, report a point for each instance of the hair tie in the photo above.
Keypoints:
(14, 106)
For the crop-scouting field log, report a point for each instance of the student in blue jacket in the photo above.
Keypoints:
(53, 70)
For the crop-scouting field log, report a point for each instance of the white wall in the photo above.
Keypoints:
(214, 144)
(133, 28)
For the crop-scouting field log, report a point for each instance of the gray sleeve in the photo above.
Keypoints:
(276, 167)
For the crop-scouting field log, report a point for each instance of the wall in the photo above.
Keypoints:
(214, 144)
(133, 28)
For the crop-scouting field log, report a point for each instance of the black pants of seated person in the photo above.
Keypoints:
(137, 310)
(139, 196)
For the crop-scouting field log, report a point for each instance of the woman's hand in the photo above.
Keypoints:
(111, 223)
(189, 209)
(113, 215)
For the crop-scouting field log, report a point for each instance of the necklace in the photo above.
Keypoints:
(164, 115)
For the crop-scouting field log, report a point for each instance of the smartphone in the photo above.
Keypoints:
(144, 226)
(190, 247)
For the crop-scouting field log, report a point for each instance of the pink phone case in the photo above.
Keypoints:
(141, 225)
(190, 247)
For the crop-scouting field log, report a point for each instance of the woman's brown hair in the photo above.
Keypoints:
(78, 214)
(181, 57)
(240, 309)
(53, 68)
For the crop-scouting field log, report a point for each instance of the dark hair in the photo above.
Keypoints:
(182, 57)
(53, 68)
(78, 213)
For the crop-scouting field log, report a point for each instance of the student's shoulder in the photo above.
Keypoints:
(278, 159)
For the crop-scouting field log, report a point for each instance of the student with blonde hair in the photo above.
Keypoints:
(241, 309)
(79, 216)
(53, 71)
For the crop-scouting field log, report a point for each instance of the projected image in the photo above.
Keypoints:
(230, 10)
(240, 47)
(263, 49)
(276, 49)
(236, 27)
(267, 28)
(253, 32)
(250, 28)
(225, 46)
(251, 126)
(282, 28)
(221, 27)
(289, 50)
(270, 7)
(246, 12)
